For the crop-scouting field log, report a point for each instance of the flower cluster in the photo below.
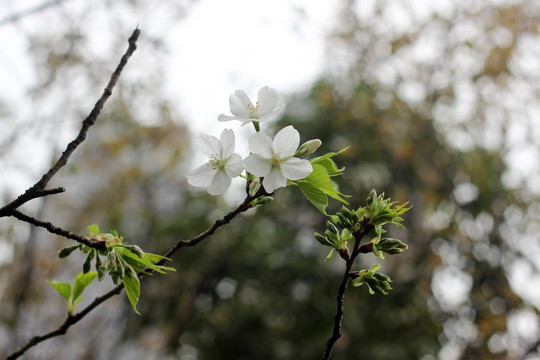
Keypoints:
(274, 161)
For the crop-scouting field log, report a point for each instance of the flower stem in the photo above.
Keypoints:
(257, 126)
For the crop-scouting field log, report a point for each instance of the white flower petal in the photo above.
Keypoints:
(238, 103)
(260, 143)
(201, 176)
(227, 142)
(286, 141)
(274, 180)
(208, 144)
(268, 100)
(257, 165)
(220, 183)
(224, 117)
(234, 166)
(296, 169)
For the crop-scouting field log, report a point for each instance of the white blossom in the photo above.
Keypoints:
(223, 163)
(274, 160)
(269, 106)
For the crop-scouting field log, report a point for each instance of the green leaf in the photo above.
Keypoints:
(88, 263)
(81, 282)
(63, 289)
(67, 251)
(133, 291)
(93, 230)
(155, 257)
(126, 253)
(326, 161)
(314, 194)
(320, 178)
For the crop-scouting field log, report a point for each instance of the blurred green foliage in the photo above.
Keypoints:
(259, 288)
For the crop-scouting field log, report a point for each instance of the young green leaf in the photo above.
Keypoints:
(67, 251)
(133, 291)
(63, 289)
(126, 253)
(314, 194)
(81, 282)
(93, 230)
(88, 263)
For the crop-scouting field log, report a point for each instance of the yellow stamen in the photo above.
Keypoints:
(253, 109)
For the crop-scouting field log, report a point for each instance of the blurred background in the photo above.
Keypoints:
(438, 100)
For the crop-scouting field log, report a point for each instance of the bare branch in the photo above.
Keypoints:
(37, 189)
(99, 245)
(340, 311)
(71, 320)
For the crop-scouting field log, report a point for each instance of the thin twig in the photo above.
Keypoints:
(96, 244)
(340, 310)
(71, 320)
(37, 190)
(31, 11)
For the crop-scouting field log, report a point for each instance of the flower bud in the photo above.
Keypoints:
(308, 148)
(254, 186)
(262, 201)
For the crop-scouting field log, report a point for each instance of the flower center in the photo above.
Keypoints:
(254, 110)
(215, 162)
(275, 159)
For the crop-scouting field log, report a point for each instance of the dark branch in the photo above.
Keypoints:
(99, 245)
(37, 189)
(71, 320)
(365, 229)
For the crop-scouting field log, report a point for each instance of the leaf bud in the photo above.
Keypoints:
(322, 239)
(345, 254)
(262, 201)
(391, 246)
(136, 250)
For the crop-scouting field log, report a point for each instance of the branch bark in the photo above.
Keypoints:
(340, 310)
(71, 320)
(38, 189)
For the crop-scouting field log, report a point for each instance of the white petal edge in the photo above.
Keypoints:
(220, 184)
(208, 144)
(260, 143)
(274, 180)
(238, 103)
(227, 142)
(257, 165)
(224, 117)
(268, 99)
(296, 169)
(201, 176)
(234, 165)
(286, 141)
